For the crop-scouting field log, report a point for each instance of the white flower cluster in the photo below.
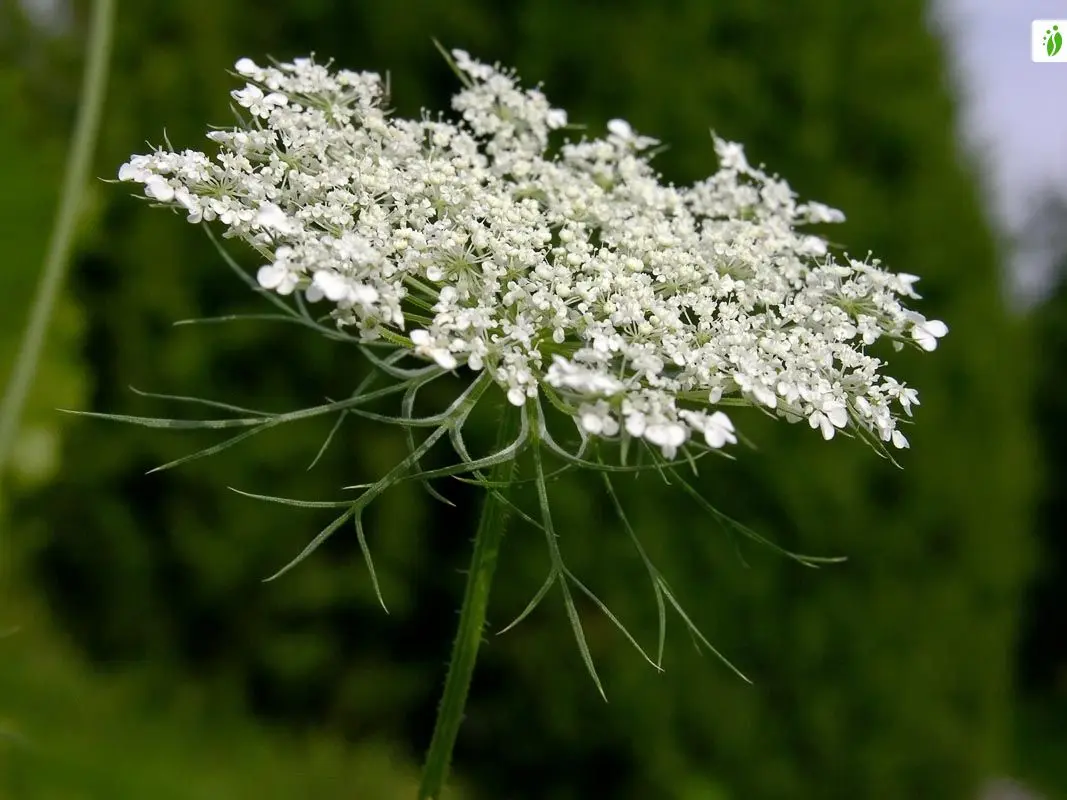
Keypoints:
(643, 307)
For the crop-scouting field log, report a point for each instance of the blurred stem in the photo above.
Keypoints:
(487, 540)
(79, 157)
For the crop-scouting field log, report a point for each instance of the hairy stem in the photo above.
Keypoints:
(487, 540)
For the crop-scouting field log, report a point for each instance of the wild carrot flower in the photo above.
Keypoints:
(563, 272)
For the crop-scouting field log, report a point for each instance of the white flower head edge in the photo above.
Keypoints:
(648, 307)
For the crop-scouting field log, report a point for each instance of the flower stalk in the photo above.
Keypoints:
(487, 539)
(82, 146)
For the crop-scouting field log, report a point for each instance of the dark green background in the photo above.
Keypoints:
(153, 661)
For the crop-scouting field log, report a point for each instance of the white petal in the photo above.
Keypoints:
(620, 128)
(927, 332)
(332, 285)
(287, 285)
(720, 420)
(837, 414)
(927, 343)
(936, 327)
(765, 396)
(715, 437)
(158, 188)
(271, 217)
(128, 172)
(446, 359)
(367, 295)
(248, 95)
(719, 430)
(556, 118)
(668, 434)
(827, 428)
(635, 424)
(591, 422)
(187, 200)
(270, 276)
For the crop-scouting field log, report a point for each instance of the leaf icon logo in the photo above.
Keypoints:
(1053, 41)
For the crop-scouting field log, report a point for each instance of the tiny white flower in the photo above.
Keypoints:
(563, 374)
(597, 419)
(134, 171)
(827, 421)
(836, 412)
(271, 217)
(158, 188)
(765, 396)
(333, 287)
(819, 420)
(732, 156)
(668, 436)
(927, 332)
(479, 71)
(620, 128)
(907, 281)
(248, 96)
(364, 295)
(760, 392)
(277, 278)
(444, 359)
(426, 346)
(719, 430)
(635, 424)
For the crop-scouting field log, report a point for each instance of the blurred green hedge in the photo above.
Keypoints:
(1043, 647)
(71, 730)
(885, 677)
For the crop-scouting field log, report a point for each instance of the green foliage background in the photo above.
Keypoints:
(886, 677)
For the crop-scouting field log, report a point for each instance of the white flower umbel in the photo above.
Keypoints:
(572, 272)
(567, 276)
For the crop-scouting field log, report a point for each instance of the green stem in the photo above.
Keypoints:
(82, 145)
(487, 540)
